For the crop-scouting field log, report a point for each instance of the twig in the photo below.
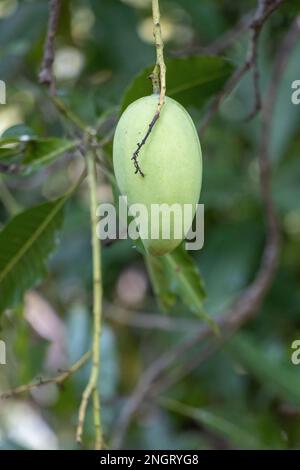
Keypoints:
(264, 10)
(92, 386)
(58, 380)
(9, 168)
(248, 303)
(46, 75)
(68, 113)
(252, 59)
(158, 77)
(149, 321)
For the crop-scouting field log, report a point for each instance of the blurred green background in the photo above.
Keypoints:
(247, 395)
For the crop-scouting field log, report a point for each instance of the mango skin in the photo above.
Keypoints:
(171, 160)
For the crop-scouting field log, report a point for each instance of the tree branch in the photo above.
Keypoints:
(158, 78)
(92, 386)
(9, 168)
(46, 75)
(58, 380)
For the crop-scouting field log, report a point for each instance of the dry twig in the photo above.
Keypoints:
(58, 380)
(264, 9)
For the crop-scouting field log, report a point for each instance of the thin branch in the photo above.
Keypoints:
(264, 10)
(148, 321)
(46, 75)
(92, 386)
(9, 168)
(8, 200)
(216, 102)
(58, 380)
(222, 43)
(245, 307)
(229, 37)
(158, 77)
(135, 155)
(68, 113)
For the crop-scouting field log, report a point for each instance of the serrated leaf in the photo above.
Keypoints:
(191, 81)
(25, 245)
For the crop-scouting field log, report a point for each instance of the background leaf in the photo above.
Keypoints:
(25, 244)
(33, 153)
(45, 151)
(191, 81)
(280, 378)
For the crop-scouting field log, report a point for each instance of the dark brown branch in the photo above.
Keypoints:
(246, 306)
(264, 10)
(153, 321)
(46, 75)
(140, 145)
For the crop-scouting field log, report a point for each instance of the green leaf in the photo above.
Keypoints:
(242, 433)
(176, 276)
(44, 151)
(191, 81)
(32, 152)
(17, 132)
(25, 245)
(280, 378)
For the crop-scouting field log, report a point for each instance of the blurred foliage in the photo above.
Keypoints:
(247, 394)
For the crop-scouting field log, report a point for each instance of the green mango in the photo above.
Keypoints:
(171, 161)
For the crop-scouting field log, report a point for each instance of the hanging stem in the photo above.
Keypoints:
(158, 78)
(92, 386)
(158, 75)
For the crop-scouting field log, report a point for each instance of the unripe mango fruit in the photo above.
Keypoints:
(170, 160)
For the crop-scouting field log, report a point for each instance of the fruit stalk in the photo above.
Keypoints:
(159, 72)
(158, 78)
